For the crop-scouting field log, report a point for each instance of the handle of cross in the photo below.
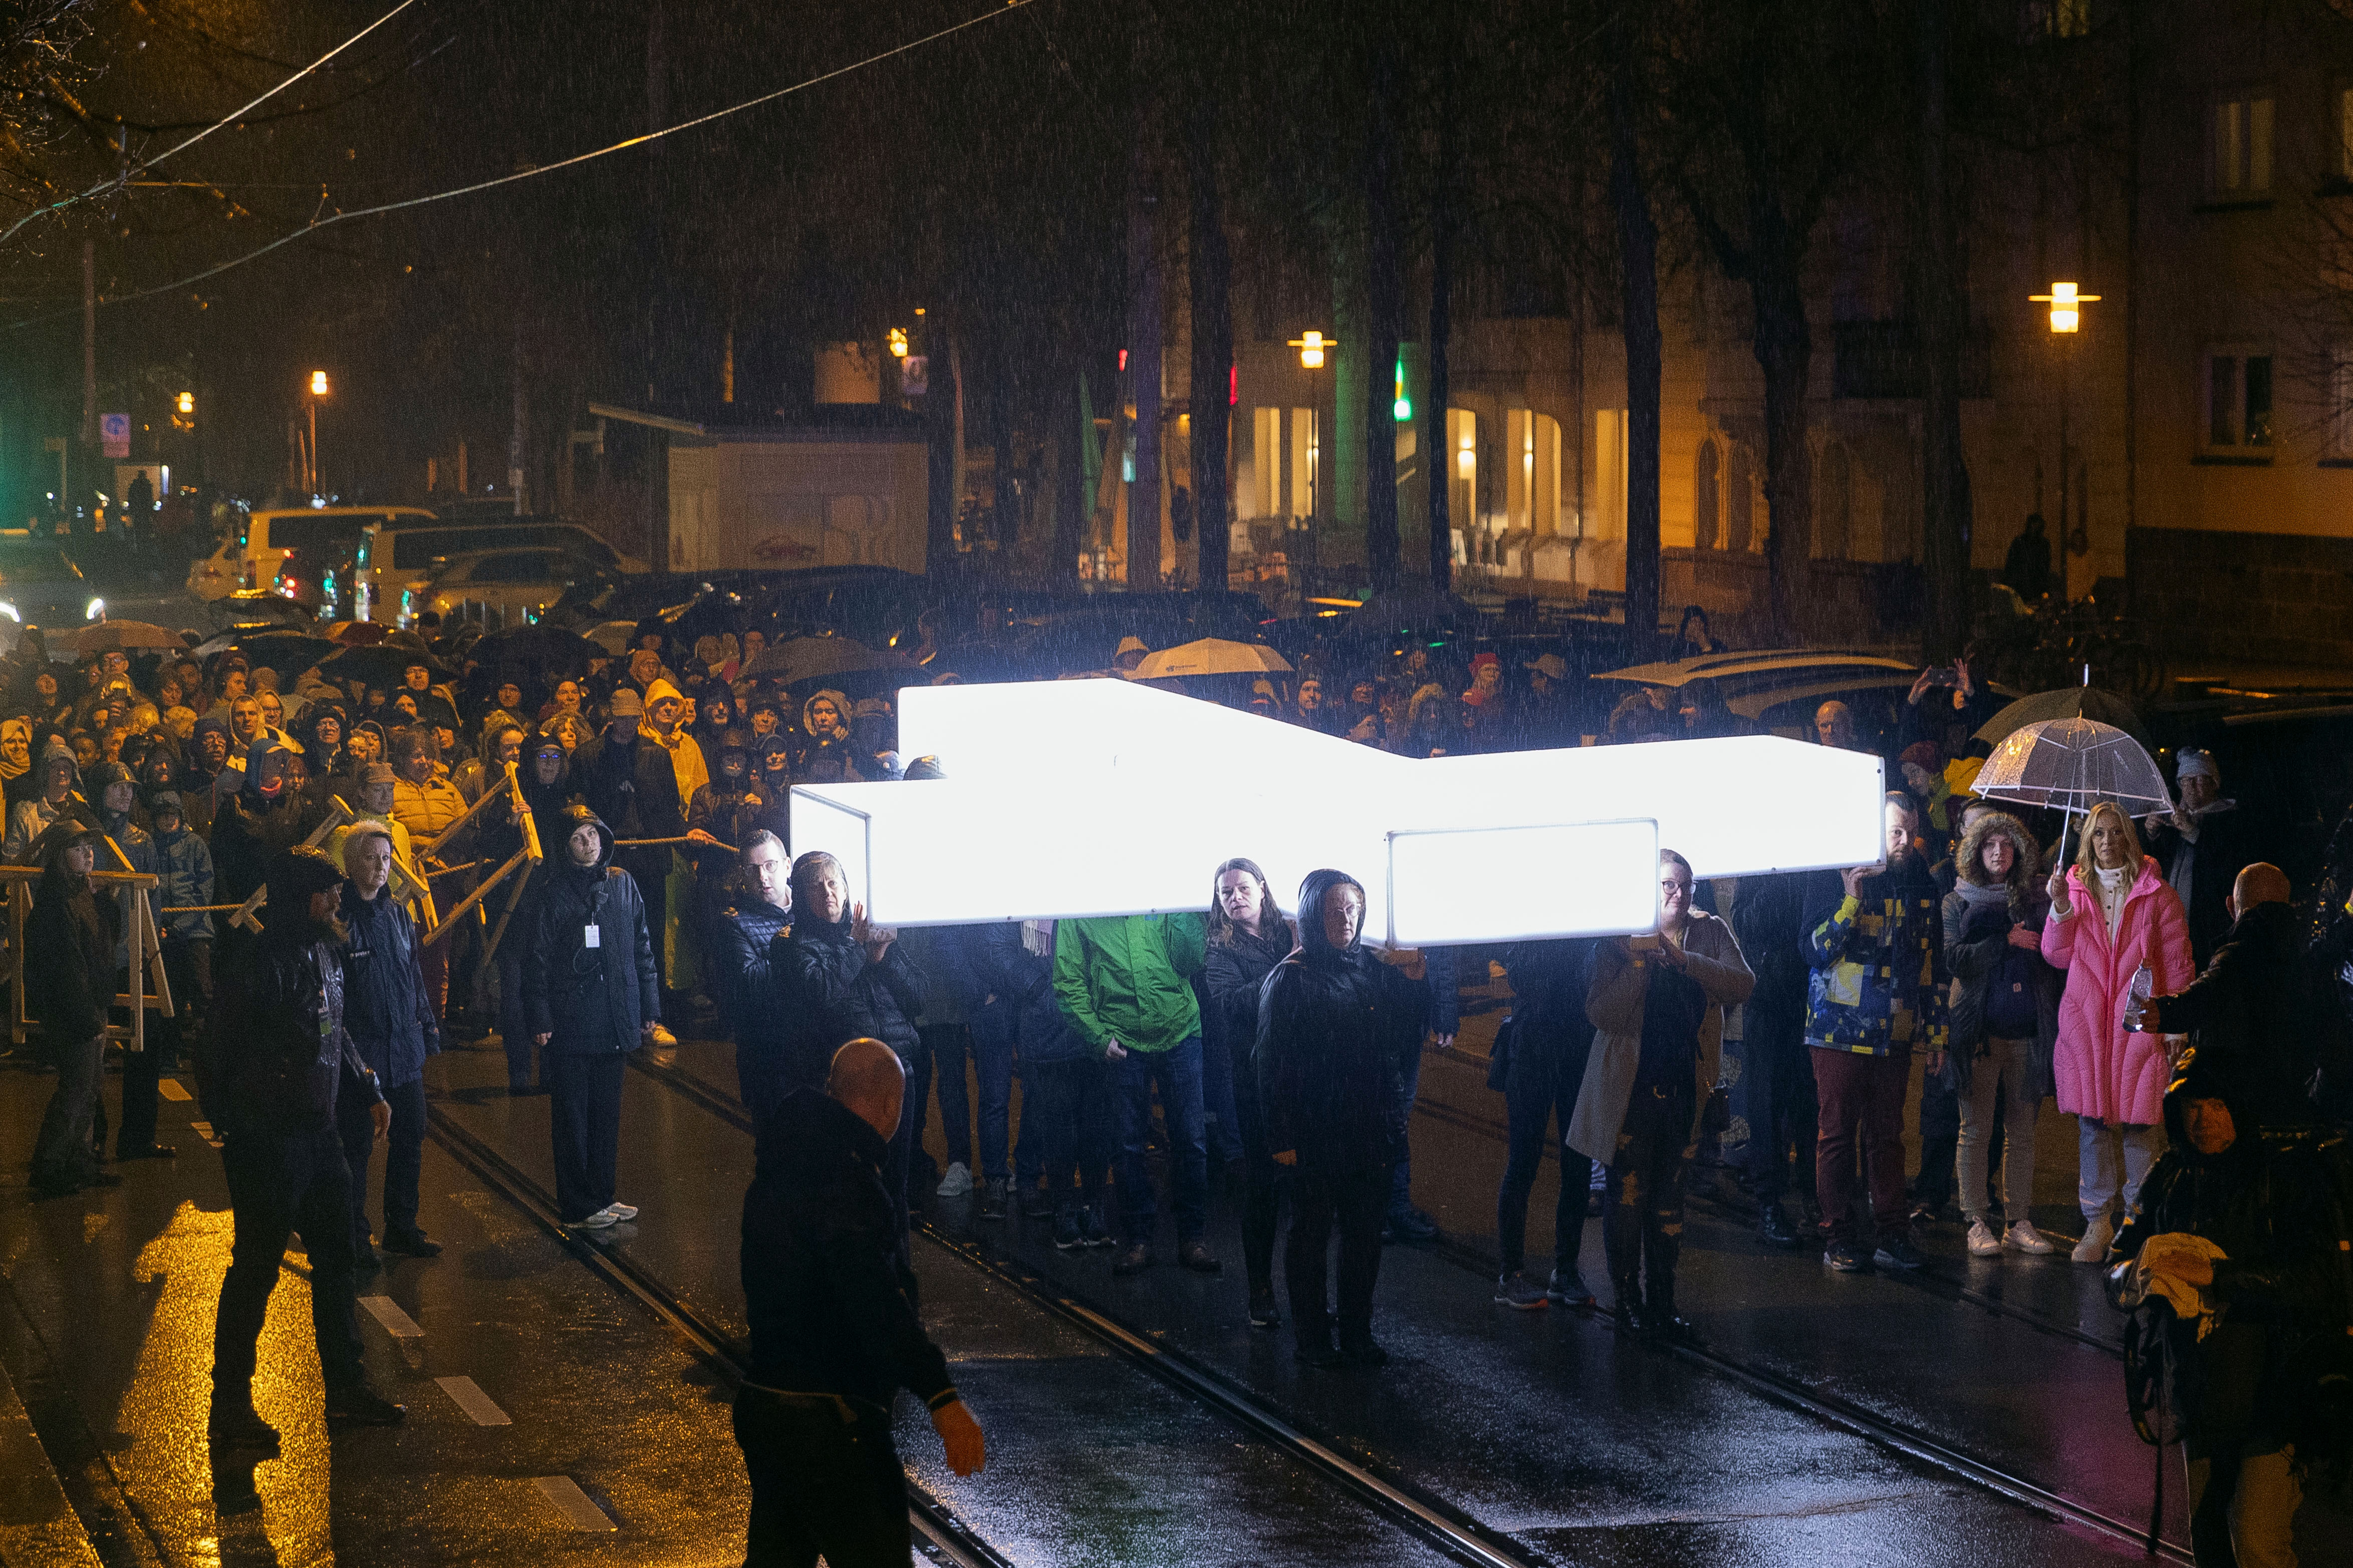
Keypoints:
(509, 782)
(449, 922)
(529, 828)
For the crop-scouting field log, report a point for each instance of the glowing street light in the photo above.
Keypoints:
(318, 384)
(2066, 313)
(317, 391)
(1311, 348)
(898, 342)
(187, 402)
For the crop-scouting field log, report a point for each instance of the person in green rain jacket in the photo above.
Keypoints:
(1124, 982)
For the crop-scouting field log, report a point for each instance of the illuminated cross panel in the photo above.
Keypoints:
(1071, 798)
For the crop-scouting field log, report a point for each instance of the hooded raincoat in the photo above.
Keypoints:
(589, 978)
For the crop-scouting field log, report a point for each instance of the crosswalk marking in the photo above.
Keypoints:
(397, 1324)
(471, 1399)
(579, 1511)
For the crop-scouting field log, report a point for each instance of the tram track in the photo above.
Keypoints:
(1934, 1282)
(1212, 1388)
(939, 1532)
(1438, 1523)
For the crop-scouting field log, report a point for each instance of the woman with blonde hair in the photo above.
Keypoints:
(2111, 913)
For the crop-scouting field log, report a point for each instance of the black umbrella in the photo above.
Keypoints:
(1417, 607)
(2066, 702)
(382, 665)
(547, 647)
(798, 658)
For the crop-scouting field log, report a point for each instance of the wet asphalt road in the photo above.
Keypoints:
(1566, 1443)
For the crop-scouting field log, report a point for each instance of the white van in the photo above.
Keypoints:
(299, 551)
(406, 553)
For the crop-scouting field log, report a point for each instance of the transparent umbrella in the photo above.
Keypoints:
(2071, 766)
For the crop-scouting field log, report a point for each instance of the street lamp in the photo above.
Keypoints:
(2066, 302)
(1311, 348)
(317, 391)
(187, 402)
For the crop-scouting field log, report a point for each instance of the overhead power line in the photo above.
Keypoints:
(113, 181)
(532, 174)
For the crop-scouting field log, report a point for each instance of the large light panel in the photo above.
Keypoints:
(1094, 797)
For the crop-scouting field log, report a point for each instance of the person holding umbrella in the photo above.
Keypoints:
(2112, 916)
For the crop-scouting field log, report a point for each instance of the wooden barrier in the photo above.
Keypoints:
(143, 942)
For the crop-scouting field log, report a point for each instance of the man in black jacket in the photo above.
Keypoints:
(69, 985)
(279, 1061)
(834, 1335)
(746, 932)
(2202, 845)
(2263, 1005)
(593, 995)
(1336, 1027)
(390, 1014)
(2229, 1269)
(1768, 921)
(1551, 1037)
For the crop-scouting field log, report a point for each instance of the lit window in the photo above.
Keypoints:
(2239, 401)
(2242, 147)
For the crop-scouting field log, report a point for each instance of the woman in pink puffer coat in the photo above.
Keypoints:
(2111, 913)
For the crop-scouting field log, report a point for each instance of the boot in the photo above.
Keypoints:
(1774, 1229)
(1662, 1321)
(235, 1424)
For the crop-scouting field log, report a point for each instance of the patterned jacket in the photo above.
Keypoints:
(1879, 980)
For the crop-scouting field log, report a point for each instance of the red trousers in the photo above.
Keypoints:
(1861, 1103)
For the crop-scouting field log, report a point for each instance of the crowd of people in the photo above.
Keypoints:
(2151, 975)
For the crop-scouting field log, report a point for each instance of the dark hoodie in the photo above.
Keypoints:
(2265, 1003)
(831, 995)
(69, 945)
(594, 994)
(1338, 1030)
(2269, 1208)
(251, 825)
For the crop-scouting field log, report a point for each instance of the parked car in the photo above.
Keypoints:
(403, 558)
(1777, 689)
(506, 588)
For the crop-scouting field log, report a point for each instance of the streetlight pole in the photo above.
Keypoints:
(317, 391)
(2066, 304)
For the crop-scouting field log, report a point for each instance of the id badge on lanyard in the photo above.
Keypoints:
(592, 936)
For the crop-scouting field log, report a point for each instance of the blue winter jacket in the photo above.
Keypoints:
(184, 863)
(385, 1004)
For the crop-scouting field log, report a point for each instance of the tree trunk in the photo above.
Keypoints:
(1435, 459)
(1638, 245)
(1213, 349)
(940, 437)
(1785, 351)
(1382, 291)
(1945, 552)
(1144, 358)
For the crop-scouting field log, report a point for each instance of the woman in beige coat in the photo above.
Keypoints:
(1657, 1003)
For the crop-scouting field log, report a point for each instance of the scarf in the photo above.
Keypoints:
(21, 729)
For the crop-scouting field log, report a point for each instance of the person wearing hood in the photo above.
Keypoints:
(1658, 1008)
(1336, 1025)
(115, 794)
(387, 1010)
(2263, 1005)
(547, 791)
(834, 1333)
(322, 731)
(262, 818)
(427, 805)
(2232, 1272)
(279, 1063)
(68, 986)
(838, 977)
(17, 758)
(2005, 1023)
(2112, 913)
(183, 871)
(1126, 983)
(825, 716)
(726, 811)
(593, 995)
(2200, 847)
(57, 794)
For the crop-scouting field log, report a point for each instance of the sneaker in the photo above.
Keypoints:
(360, 1405)
(235, 1424)
(601, 1220)
(1067, 1232)
(1847, 1258)
(1409, 1224)
(1134, 1258)
(1263, 1313)
(1897, 1252)
(411, 1243)
(1091, 1225)
(1195, 1255)
(1036, 1202)
(1567, 1289)
(621, 1212)
(1774, 1229)
(2099, 1236)
(1519, 1292)
(956, 1183)
(1983, 1242)
(2025, 1238)
(993, 1198)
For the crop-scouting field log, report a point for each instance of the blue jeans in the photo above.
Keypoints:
(988, 1040)
(1177, 1071)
